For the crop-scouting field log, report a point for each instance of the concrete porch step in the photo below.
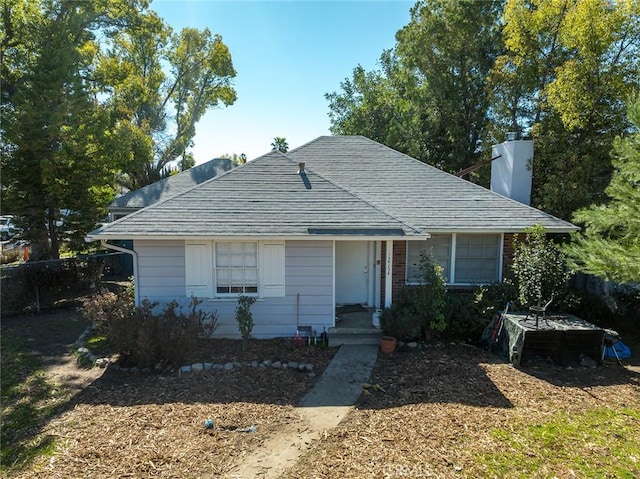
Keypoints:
(340, 336)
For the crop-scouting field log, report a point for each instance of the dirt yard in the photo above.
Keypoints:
(447, 411)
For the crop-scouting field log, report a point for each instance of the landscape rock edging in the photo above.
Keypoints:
(86, 356)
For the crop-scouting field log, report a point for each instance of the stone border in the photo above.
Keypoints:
(265, 364)
(84, 354)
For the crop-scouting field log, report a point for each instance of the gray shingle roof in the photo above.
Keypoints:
(426, 197)
(173, 185)
(265, 197)
(353, 186)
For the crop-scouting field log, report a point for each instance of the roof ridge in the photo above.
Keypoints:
(161, 202)
(351, 193)
(170, 177)
(473, 185)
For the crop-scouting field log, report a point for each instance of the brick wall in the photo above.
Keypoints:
(507, 253)
(399, 272)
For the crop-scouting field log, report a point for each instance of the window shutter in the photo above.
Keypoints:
(273, 269)
(198, 269)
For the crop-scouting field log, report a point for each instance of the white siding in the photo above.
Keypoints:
(308, 271)
(160, 270)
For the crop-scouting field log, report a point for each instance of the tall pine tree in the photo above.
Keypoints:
(609, 245)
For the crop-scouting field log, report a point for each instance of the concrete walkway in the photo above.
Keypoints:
(321, 409)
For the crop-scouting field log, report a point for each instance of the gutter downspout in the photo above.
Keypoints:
(135, 266)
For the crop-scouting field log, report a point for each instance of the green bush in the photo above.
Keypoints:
(431, 296)
(401, 320)
(244, 317)
(468, 313)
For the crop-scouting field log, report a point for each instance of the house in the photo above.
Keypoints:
(339, 220)
(167, 187)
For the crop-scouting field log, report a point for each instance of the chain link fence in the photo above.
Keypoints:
(36, 285)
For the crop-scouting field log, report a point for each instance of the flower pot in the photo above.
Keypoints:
(387, 344)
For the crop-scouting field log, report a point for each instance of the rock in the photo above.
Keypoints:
(184, 369)
(228, 366)
(134, 370)
(277, 365)
(267, 362)
(237, 364)
(145, 370)
(217, 366)
(311, 375)
(83, 351)
(208, 366)
(293, 365)
(308, 367)
(302, 367)
(124, 370)
(412, 344)
(401, 344)
(285, 365)
(197, 367)
(102, 362)
(254, 364)
(262, 366)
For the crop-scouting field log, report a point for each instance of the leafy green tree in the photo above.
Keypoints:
(609, 245)
(539, 267)
(429, 97)
(566, 72)
(85, 101)
(55, 143)
(280, 144)
(156, 112)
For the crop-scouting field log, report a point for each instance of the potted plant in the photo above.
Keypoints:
(388, 344)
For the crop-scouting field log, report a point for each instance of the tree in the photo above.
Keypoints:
(55, 141)
(539, 267)
(429, 97)
(609, 245)
(280, 144)
(85, 101)
(157, 112)
(564, 77)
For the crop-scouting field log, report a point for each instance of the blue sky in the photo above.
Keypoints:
(287, 55)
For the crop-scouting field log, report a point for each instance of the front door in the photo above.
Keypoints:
(352, 272)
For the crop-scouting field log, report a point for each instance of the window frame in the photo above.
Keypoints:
(230, 269)
(452, 280)
(201, 269)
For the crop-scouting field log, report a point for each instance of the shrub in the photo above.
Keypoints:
(244, 317)
(468, 313)
(540, 268)
(106, 307)
(431, 296)
(145, 339)
(401, 320)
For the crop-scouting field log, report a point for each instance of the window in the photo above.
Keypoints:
(474, 258)
(477, 258)
(228, 269)
(438, 246)
(236, 268)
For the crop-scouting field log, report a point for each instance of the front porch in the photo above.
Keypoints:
(354, 326)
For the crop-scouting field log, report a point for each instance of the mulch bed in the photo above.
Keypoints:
(438, 405)
(147, 425)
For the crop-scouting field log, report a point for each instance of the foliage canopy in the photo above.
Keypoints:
(609, 245)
